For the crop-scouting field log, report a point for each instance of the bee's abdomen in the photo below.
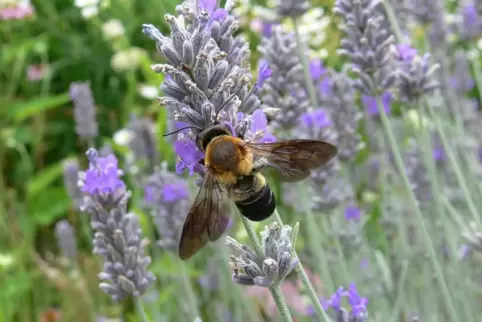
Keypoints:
(259, 206)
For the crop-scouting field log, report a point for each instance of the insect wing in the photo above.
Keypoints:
(206, 219)
(292, 159)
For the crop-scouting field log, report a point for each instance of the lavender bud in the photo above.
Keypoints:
(118, 236)
(71, 182)
(262, 269)
(213, 84)
(285, 89)
(416, 75)
(291, 8)
(367, 44)
(86, 125)
(167, 198)
(66, 239)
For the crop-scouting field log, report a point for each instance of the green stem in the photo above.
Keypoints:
(275, 288)
(393, 21)
(455, 165)
(191, 297)
(315, 301)
(300, 48)
(414, 204)
(140, 310)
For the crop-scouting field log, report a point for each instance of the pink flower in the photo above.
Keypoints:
(36, 72)
(16, 12)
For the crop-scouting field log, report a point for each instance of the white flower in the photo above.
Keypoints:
(89, 12)
(123, 137)
(113, 28)
(148, 91)
(128, 59)
(86, 3)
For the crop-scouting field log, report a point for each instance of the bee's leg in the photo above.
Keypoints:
(201, 161)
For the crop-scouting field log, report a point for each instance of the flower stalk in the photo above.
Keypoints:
(304, 61)
(414, 204)
(275, 288)
(306, 281)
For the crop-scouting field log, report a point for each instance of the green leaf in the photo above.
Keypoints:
(49, 206)
(44, 179)
(21, 111)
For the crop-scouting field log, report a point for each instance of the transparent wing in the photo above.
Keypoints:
(292, 160)
(206, 220)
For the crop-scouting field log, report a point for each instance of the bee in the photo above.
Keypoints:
(233, 171)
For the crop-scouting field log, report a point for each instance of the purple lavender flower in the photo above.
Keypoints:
(263, 74)
(267, 29)
(367, 44)
(406, 52)
(118, 236)
(65, 235)
(352, 213)
(167, 198)
(103, 175)
(370, 103)
(470, 27)
(358, 304)
(285, 89)
(84, 110)
(189, 156)
(208, 80)
(71, 182)
(317, 70)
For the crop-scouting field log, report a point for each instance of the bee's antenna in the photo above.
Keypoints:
(182, 129)
(226, 103)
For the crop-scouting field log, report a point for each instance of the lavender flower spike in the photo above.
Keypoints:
(358, 312)
(118, 236)
(277, 260)
(65, 235)
(291, 8)
(416, 74)
(71, 182)
(84, 110)
(207, 80)
(285, 88)
(367, 44)
(167, 198)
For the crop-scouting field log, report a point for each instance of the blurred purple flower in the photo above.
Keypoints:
(438, 154)
(260, 125)
(471, 25)
(266, 29)
(370, 103)
(335, 300)
(352, 213)
(358, 303)
(317, 69)
(264, 72)
(175, 191)
(189, 156)
(316, 119)
(406, 52)
(102, 177)
(326, 87)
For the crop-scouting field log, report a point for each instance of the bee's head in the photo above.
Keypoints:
(205, 136)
